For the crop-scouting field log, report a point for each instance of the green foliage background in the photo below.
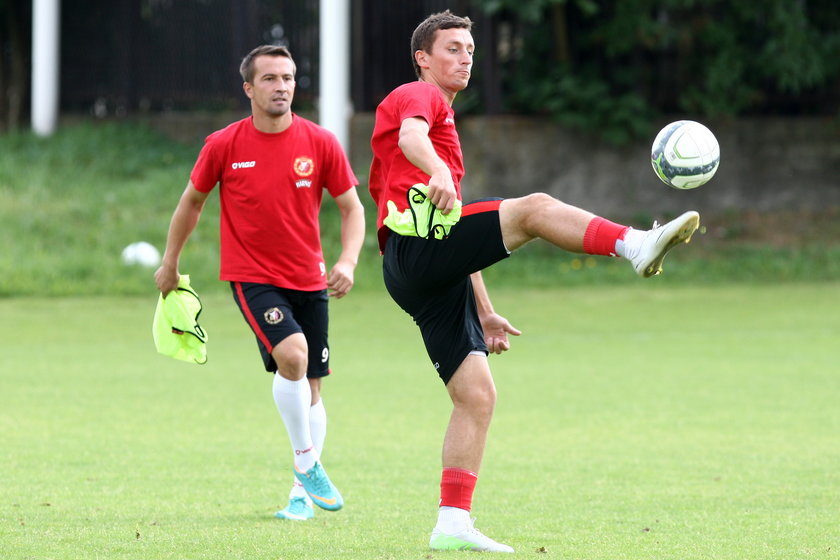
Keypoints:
(606, 67)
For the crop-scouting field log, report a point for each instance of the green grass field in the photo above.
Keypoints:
(642, 421)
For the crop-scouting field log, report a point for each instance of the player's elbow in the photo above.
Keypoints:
(408, 140)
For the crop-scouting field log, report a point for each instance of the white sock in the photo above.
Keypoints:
(298, 491)
(452, 520)
(292, 399)
(318, 429)
(629, 246)
(318, 425)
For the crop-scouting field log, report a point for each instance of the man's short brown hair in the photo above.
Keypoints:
(246, 69)
(424, 35)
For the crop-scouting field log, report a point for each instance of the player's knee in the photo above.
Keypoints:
(481, 398)
(292, 361)
(525, 216)
(488, 397)
(526, 207)
(521, 217)
(539, 199)
(536, 204)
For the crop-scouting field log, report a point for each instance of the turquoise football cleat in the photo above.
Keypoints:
(319, 487)
(299, 509)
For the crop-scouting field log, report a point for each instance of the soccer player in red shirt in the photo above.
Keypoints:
(432, 267)
(272, 169)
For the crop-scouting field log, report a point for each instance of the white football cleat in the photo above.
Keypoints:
(467, 539)
(650, 250)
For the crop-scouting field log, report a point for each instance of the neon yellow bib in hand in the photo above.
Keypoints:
(422, 218)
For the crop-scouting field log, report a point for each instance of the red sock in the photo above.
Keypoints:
(601, 235)
(456, 487)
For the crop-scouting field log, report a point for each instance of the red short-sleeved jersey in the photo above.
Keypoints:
(271, 186)
(391, 174)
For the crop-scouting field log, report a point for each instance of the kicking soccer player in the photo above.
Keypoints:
(435, 248)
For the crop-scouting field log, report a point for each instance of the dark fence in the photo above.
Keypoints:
(151, 55)
(126, 56)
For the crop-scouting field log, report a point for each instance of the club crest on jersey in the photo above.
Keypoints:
(273, 316)
(304, 166)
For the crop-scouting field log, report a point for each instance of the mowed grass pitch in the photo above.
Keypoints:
(633, 422)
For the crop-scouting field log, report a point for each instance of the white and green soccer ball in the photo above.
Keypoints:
(685, 155)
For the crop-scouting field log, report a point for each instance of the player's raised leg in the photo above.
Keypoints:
(542, 216)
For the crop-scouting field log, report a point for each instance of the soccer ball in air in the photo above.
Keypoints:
(141, 253)
(685, 155)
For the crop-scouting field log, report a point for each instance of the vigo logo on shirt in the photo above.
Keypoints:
(243, 164)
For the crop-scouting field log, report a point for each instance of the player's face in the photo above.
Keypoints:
(450, 63)
(274, 85)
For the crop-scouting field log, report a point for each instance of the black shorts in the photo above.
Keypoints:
(274, 313)
(430, 280)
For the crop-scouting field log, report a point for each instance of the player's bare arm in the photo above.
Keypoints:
(183, 222)
(341, 277)
(496, 328)
(418, 149)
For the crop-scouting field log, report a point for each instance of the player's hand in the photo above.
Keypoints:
(340, 280)
(496, 331)
(166, 278)
(442, 191)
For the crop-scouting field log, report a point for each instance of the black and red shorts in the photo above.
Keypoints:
(274, 313)
(430, 280)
